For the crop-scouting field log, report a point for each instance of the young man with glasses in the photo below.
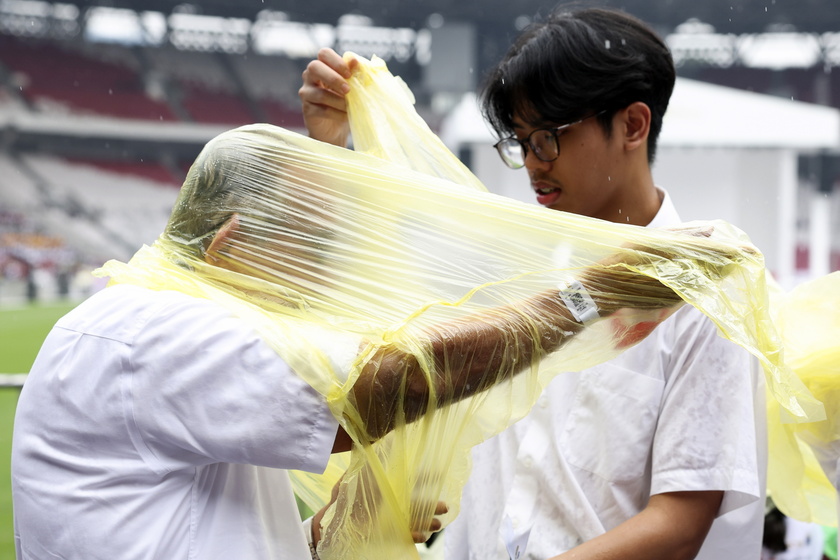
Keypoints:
(659, 453)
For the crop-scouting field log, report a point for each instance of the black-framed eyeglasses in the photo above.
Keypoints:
(542, 141)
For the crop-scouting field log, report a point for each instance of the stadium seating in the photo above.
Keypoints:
(98, 214)
(54, 77)
(274, 82)
(19, 192)
(214, 106)
(130, 211)
(153, 83)
(153, 171)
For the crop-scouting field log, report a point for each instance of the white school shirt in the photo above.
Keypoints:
(154, 425)
(682, 410)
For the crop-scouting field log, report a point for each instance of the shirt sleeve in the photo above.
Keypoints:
(204, 387)
(707, 435)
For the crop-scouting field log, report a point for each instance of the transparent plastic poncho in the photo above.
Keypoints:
(449, 292)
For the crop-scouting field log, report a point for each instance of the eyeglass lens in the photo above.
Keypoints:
(511, 152)
(543, 142)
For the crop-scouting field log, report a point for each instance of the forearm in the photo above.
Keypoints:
(487, 348)
(479, 351)
(672, 527)
(465, 357)
(473, 355)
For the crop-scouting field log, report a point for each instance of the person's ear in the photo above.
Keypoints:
(636, 125)
(223, 236)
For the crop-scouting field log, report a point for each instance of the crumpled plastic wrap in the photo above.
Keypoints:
(802, 474)
(448, 292)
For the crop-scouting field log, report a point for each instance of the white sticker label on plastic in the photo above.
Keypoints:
(579, 302)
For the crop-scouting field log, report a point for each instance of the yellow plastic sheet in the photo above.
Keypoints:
(383, 124)
(802, 471)
(449, 293)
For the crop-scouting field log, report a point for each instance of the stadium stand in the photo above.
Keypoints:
(273, 81)
(153, 83)
(19, 193)
(230, 89)
(215, 106)
(201, 85)
(200, 68)
(56, 78)
(58, 215)
(153, 171)
(128, 210)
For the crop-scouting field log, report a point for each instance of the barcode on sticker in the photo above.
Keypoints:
(579, 302)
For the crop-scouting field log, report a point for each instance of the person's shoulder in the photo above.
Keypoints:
(97, 314)
(691, 329)
(119, 312)
(686, 328)
(127, 296)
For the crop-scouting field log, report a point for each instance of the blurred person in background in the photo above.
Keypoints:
(786, 538)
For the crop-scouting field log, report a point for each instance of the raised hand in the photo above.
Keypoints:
(322, 96)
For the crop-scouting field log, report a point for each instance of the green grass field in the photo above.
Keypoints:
(22, 330)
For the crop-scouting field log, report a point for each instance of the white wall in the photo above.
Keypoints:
(753, 189)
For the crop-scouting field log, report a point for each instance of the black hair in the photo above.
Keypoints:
(577, 63)
(208, 197)
(247, 172)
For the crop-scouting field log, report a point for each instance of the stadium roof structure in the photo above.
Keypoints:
(774, 34)
(727, 16)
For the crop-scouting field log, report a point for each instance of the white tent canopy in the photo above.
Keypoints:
(707, 115)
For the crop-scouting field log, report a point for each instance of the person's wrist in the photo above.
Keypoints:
(606, 288)
(309, 530)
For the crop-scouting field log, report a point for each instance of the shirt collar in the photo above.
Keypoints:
(667, 215)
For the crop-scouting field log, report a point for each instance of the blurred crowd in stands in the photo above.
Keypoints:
(35, 266)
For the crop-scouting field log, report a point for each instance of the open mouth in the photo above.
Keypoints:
(547, 194)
